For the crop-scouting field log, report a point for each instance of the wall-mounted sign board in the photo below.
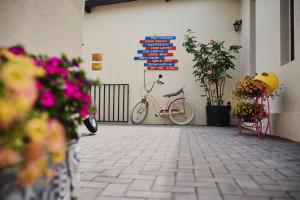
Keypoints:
(97, 57)
(162, 68)
(96, 66)
(156, 53)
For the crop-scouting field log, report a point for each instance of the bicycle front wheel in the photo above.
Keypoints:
(183, 112)
(139, 112)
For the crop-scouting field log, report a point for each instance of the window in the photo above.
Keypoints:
(287, 39)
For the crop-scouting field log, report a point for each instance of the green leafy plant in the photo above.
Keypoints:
(212, 62)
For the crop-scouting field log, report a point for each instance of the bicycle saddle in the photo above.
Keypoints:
(174, 93)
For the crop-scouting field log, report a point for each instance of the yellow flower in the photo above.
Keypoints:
(19, 72)
(58, 157)
(56, 141)
(14, 77)
(37, 129)
(7, 54)
(34, 151)
(25, 98)
(8, 157)
(7, 113)
(32, 171)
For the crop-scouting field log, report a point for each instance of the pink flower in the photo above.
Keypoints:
(37, 62)
(47, 99)
(86, 98)
(72, 90)
(17, 50)
(52, 66)
(51, 69)
(63, 72)
(39, 85)
(53, 61)
(84, 111)
(209, 72)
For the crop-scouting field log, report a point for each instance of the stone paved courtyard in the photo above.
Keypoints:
(186, 163)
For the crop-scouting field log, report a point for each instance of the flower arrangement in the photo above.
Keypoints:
(212, 62)
(246, 87)
(42, 101)
(29, 138)
(248, 111)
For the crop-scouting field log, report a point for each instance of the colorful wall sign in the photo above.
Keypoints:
(156, 53)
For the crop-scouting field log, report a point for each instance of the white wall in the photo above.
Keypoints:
(43, 26)
(115, 31)
(286, 109)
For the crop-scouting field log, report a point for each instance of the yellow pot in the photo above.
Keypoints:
(269, 79)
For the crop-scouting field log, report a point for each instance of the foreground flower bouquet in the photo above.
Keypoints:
(29, 138)
(42, 102)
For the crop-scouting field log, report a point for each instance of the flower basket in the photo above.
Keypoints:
(249, 112)
(63, 186)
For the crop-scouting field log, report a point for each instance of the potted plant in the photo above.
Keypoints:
(212, 63)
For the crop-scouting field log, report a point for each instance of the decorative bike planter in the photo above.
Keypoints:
(261, 115)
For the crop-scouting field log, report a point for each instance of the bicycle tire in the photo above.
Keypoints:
(137, 109)
(182, 118)
(91, 124)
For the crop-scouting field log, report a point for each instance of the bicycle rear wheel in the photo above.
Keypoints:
(185, 109)
(139, 112)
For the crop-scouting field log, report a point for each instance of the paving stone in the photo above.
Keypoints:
(89, 193)
(112, 180)
(118, 198)
(208, 191)
(266, 193)
(115, 190)
(185, 196)
(195, 184)
(296, 195)
(88, 176)
(134, 176)
(230, 188)
(149, 194)
(239, 197)
(141, 185)
(209, 196)
(89, 184)
(247, 183)
(181, 176)
(173, 189)
(165, 180)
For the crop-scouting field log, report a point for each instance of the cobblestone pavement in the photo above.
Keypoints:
(187, 163)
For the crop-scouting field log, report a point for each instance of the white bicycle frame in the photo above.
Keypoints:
(161, 111)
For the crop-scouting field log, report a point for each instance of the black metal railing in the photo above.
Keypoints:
(111, 102)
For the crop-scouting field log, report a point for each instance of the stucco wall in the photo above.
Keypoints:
(42, 26)
(115, 31)
(286, 109)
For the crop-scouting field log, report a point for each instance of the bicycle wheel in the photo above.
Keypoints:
(139, 112)
(185, 109)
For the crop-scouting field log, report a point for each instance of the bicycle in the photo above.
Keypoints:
(178, 109)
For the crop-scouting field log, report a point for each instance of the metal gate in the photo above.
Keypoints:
(111, 102)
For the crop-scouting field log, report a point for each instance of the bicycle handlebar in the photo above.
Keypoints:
(157, 81)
